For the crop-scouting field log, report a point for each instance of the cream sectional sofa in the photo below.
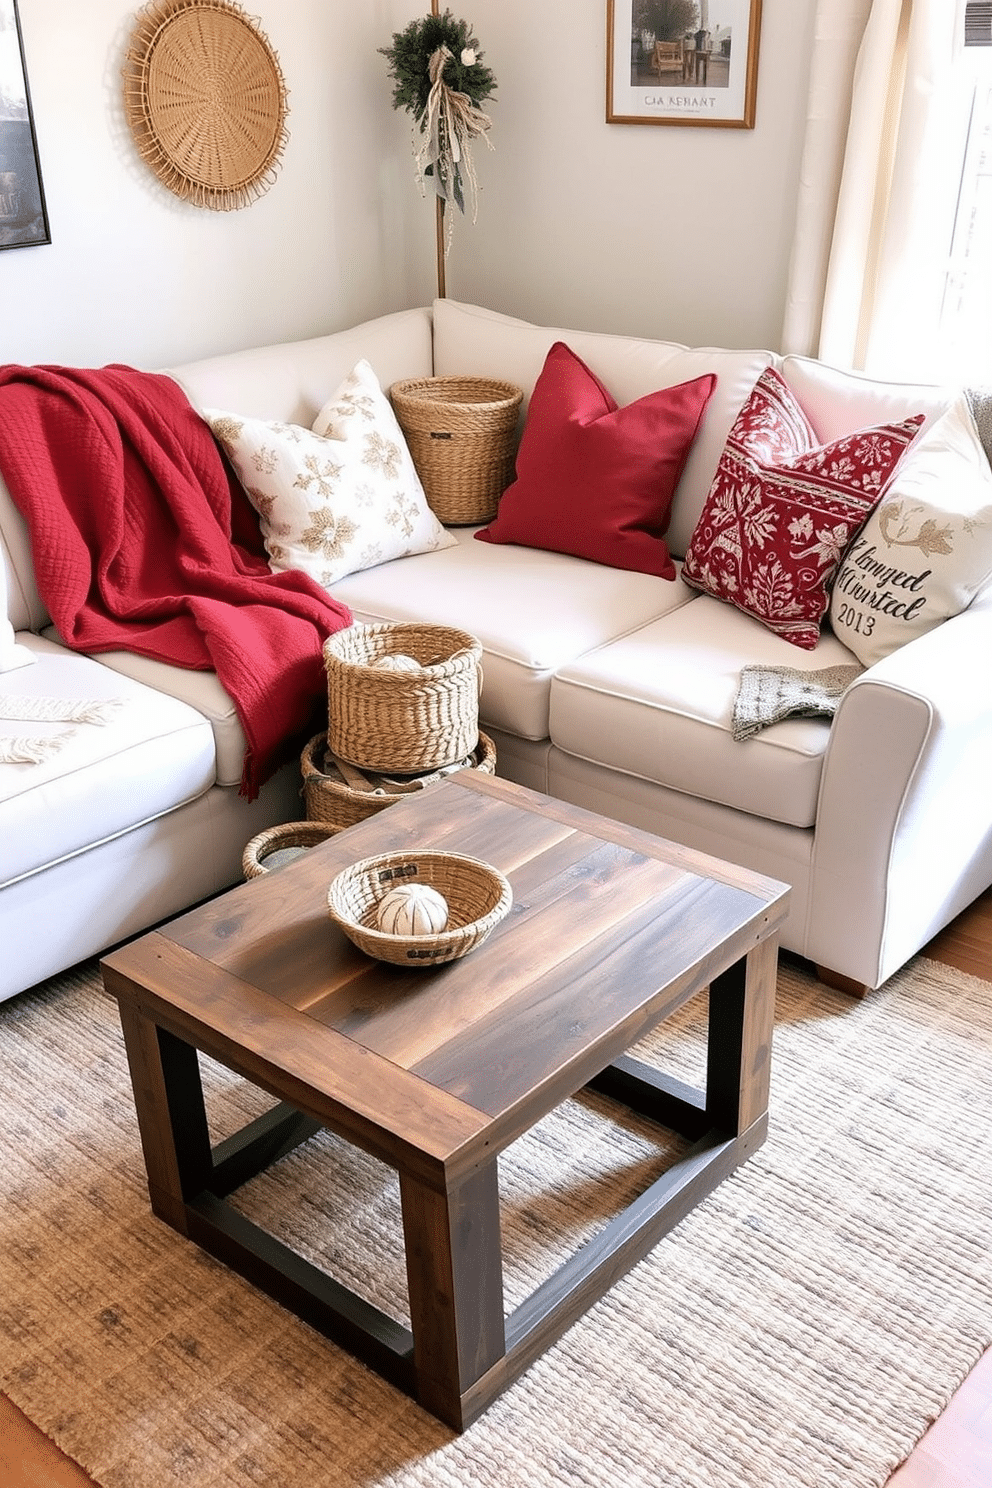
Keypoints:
(607, 688)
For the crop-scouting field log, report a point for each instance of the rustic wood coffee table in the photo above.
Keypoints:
(435, 1071)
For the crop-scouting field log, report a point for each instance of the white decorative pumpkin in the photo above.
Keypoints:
(396, 661)
(412, 909)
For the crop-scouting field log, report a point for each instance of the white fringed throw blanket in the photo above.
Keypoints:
(34, 749)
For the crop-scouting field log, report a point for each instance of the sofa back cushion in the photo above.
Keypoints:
(12, 655)
(478, 342)
(24, 607)
(838, 402)
(292, 381)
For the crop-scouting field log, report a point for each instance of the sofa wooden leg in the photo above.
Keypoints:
(842, 983)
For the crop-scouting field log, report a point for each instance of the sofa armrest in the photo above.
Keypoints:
(904, 821)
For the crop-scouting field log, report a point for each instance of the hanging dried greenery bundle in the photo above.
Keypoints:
(439, 77)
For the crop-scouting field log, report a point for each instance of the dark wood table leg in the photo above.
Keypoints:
(455, 1279)
(172, 1120)
(742, 1016)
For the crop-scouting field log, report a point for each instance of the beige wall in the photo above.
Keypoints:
(135, 274)
(680, 233)
(673, 232)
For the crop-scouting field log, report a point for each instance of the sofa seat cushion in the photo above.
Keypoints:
(658, 704)
(199, 690)
(154, 755)
(533, 611)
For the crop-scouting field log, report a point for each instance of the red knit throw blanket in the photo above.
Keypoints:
(144, 541)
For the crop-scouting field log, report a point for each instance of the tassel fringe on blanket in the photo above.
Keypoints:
(58, 710)
(35, 749)
(27, 749)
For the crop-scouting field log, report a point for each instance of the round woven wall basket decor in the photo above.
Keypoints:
(206, 101)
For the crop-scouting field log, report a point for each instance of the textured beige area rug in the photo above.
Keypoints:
(799, 1329)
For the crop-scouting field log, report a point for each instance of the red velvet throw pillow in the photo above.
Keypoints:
(782, 510)
(596, 480)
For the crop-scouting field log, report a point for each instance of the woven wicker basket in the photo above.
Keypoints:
(478, 896)
(402, 722)
(278, 845)
(335, 805)
(205, 99)
(461, 432)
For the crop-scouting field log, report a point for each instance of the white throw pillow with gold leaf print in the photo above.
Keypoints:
(337, 498)
(926, 549)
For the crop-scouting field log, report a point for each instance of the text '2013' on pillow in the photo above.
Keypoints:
(596, 480)
(782, 510)
(339, 497)
(926, 548)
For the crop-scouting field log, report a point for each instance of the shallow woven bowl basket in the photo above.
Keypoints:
(402, 722)
(461, 432)
(478, 896)
(332, 803)
(278, 845)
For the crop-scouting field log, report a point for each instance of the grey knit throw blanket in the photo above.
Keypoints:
(767, 695)
(980, 403)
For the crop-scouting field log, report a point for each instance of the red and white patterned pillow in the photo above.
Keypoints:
(782, 510)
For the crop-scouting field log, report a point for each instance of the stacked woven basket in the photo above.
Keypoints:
(403, 712)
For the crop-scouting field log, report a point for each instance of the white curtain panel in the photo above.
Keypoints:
(838, 27)
(885, 132)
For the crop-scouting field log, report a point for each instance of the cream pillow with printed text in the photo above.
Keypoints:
(925, 550)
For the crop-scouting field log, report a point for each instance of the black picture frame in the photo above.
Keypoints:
(23, 211)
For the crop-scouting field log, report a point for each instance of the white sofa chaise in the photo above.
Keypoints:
(611, 689)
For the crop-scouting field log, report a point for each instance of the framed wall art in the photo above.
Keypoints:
(682, 62)
(23, 215)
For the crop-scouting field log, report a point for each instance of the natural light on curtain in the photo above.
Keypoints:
(886, 133)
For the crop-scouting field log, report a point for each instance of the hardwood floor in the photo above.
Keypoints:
(955, 1453)
(29, 1460)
